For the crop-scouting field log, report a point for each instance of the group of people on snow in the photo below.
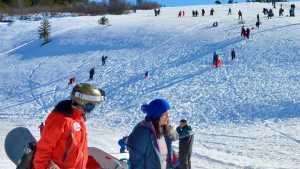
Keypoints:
(195, 13)
(181, 13)
(217, 59)
(150, 142)
(72, 79)
(64, 141)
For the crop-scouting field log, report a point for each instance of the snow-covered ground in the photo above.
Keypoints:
(245, 114)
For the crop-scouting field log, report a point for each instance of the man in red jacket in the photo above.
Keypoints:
(63, 143)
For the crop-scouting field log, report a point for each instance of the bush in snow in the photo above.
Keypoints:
(44, 30)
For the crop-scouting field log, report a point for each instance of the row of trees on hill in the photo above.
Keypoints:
(29, 3)
(75, 6)
(232, 1)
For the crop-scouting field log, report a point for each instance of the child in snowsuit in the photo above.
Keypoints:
(122, 143)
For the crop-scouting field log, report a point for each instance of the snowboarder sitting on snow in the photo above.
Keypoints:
(92, 72)
(146, 75)
(218, 62)
(122, 143)
(147, 145)
(186, 138)
(71, 81)
(63, 143)
(215, 24)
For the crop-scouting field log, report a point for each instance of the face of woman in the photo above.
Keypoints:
(164, 119)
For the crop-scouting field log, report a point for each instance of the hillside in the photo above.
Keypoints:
(245, 114)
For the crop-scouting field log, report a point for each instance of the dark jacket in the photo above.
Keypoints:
(186, 139)
(143, 147)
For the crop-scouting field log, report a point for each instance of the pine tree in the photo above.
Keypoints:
(44, 30)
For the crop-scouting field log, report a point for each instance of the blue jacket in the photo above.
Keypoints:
(143, 147)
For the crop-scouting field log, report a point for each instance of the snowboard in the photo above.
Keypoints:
(108, 161)
(18, 142)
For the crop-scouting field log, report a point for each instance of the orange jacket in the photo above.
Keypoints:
(63, 141)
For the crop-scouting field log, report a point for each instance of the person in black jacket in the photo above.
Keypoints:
(232, 54)
(186, 139)
(92, 73)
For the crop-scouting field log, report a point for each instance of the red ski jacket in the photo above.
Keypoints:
(63, 140)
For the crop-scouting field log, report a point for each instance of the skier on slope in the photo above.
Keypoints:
(257, 24)
(147, 143)
(92, 73)
(240, 14)
(212, 11)
(103, 59)
(281, 10)
(243, 31)
(63, 143)
(202, 12)
(186, 139)
(233, 55)
(247, 33)
(229, 11)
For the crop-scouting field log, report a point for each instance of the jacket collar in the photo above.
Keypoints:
(77, 113)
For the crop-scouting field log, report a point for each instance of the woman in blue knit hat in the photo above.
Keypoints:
(147, 144)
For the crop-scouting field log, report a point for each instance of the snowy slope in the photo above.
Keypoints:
(245, 114)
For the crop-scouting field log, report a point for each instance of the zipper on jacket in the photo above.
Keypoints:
(68, 147)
